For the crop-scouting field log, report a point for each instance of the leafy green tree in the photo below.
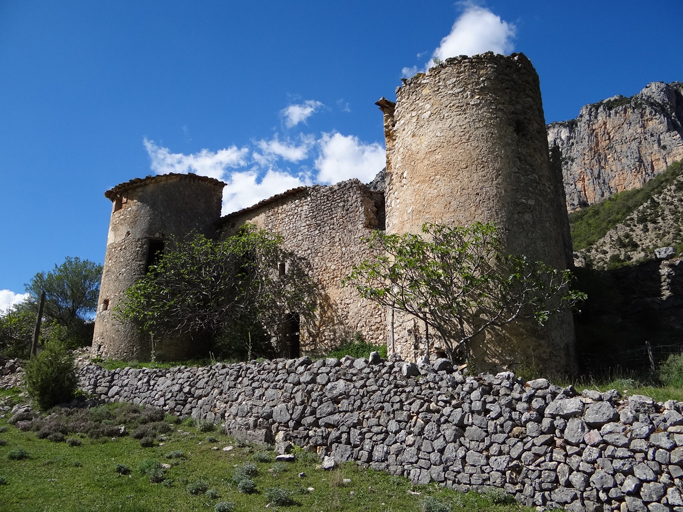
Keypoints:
(71, 292)
(202, 286)
(16, 331)
(458, 281)
(51, 376)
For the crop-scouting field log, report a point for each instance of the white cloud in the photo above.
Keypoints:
(289, 151)
(345, 157)
(408, 72)
(295, 114)
(204, 163)
(8, 299)
(477, 30)
(244, 190)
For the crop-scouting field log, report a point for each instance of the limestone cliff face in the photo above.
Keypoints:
(619, 143)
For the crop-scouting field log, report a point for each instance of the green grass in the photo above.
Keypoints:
(590, 224)
(92, 477)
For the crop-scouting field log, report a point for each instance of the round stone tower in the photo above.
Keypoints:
(467, 142)
(145, 213)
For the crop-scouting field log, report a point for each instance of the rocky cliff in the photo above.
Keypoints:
(619, 143)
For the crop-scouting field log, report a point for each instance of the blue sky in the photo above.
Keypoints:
(266, 95)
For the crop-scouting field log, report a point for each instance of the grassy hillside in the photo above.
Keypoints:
(590, 224)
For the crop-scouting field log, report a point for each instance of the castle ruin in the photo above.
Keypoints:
(465, 141)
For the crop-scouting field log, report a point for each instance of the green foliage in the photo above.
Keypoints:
(122, 469)
(197, 487)
(3, 480)
(432, 504)
(224, 506)
(148, 466)
(175, 454)
(204, 425)
(71, 292)
(498, 496)
(226, 289)
(670, 372)
(262, 456)
(279, 496)
(590, 224)
(357, 348)
(16, 331)
(246, 486)
(18, 454)
(458, 282)
(51, 376)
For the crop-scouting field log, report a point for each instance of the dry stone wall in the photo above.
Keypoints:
(539, 442)
(324, 226)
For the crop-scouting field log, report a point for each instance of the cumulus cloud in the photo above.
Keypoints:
(271, 150)
(477, 30)
(204, 163)
(8, 299)
(244, 189)
(295, 114)
(343, 157)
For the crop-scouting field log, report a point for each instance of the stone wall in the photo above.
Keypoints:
(466, 142)
(539, 442)
(324, 225)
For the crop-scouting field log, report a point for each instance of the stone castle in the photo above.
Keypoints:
(465, 142)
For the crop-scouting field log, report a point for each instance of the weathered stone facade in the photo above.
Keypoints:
(145, 212)
(325, 225)
(465, 142)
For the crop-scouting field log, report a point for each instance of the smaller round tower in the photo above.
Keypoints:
(145, 213)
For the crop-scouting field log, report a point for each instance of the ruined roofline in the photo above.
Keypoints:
(288, 193)
(112, 193)
(463, 59)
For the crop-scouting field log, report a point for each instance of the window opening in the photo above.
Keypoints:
(105, 304)
(119, 202)
(154, 252)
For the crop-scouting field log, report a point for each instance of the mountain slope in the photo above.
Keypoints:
(619, 144)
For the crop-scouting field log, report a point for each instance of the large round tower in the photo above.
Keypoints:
(467, 142)
(145, 213)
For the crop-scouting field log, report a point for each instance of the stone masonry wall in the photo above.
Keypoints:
(539, 442)
(324, 225)
(466, 142)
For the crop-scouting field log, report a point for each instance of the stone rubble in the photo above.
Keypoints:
(545, 445)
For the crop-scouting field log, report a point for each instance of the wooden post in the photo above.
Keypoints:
(651, 357)
(36, 332)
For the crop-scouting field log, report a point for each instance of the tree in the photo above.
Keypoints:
(71, 292)
(202, 286)
(458, 282)
(16, 330)
(51, 376)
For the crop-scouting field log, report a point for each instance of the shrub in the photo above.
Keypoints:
(176, 454)
(224, 506)
(157, 476)
(3, 480)
(18, 454)
(498, 496)
(212, 493)
(56, 437)
(671, 371)
(204, 425)
(73, 441)
(279, 496)
(148, 466)
(147, 442)
(357, 348)
(3, 430)
(161, 427)
(122, 469)
(197, 487)
(211, 439)
(143, 431)
(151, 414)
(279, 467)
(431, 504)
(51, 377)
(262, 456)
(3, 442)
(246, 486)
(246, 470)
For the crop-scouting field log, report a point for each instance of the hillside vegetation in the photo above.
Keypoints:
(629, 226)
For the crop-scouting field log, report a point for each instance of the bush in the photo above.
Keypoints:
(18, 454)
(3, 480)
(148, 466)
(56, 437)
(431, 504)
(157, 476)
(3, 442)
(262, 457)
(279, 496)
(212, 493)
(73, 441)
(224, 506)
(246, 486)
(279, 467)
(498, 496)
(198, 487)
(671, 371)
(176, 454)
(357, 348)
(122, 469)
(147, 442)
(204, 425)
(151, 414)
(51, 377)
(246, 470)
